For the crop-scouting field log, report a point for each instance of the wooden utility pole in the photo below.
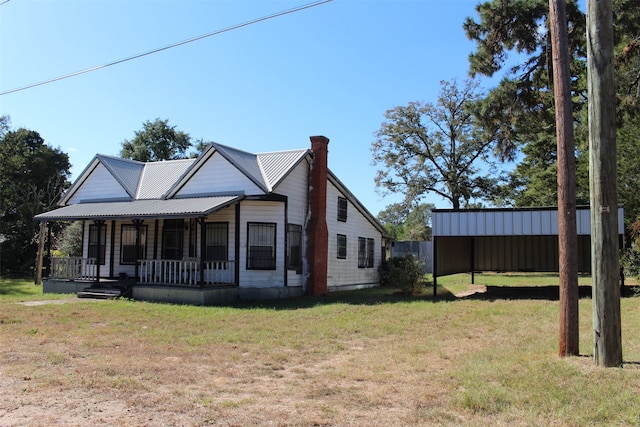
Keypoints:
(605, 273)
(567, 230)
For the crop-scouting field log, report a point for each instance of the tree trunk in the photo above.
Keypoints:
(602, 182)
(567, 231)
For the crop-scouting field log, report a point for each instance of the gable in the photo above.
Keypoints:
(217, 175)
(99, 185)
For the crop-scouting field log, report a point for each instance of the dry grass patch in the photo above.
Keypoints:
(363, 358)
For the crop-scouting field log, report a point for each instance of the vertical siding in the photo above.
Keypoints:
(99, 185)
(344, 272)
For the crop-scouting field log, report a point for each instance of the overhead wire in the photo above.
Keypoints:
(171, 46)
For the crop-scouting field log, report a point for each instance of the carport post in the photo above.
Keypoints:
(435, 266)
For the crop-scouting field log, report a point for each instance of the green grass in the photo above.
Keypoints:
(460, 282)
(16, 289)
(371, 357)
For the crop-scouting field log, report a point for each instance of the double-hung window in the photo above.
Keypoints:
(342, 246)
(365, 252)
(261, 246)
(342, 209)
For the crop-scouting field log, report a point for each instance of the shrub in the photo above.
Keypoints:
(402, 272)
(630, 261)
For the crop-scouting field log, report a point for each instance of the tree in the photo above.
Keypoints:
(405, 223)
(439, 148)
(156, 141)
(521, 107)
(33, 176)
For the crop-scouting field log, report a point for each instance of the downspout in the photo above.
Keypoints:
(286, 241)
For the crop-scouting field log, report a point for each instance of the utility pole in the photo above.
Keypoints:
(607, 337)
(567, 229)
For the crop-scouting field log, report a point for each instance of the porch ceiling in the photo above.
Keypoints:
(175, 208)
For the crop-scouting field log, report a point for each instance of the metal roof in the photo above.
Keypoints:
(541, 221)
(187, 207)
(158, 177)
(275, 166)
(127, 172)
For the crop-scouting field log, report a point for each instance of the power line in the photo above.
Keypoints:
(140, 55)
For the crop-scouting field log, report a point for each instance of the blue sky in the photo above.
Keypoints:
(332, 70)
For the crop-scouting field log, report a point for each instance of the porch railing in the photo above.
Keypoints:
(185, 272)
(73, 268)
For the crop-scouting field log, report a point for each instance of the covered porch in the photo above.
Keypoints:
(149, 244)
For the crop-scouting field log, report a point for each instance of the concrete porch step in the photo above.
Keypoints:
(101, 293)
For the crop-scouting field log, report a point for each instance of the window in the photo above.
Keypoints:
(365, 252)
(370, 244)
(128, 253)
(94, 250)
(261, 246)
(172, 236)
(217, 241)
(342, 246)
(362, 252)
(294, 247)
(342, 209)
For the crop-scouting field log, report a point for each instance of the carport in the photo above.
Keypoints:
(506, 240)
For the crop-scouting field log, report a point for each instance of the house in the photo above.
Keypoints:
(227, 226)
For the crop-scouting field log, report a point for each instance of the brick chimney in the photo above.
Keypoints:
(317, 247)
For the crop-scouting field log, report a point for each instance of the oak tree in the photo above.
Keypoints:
(437, 148)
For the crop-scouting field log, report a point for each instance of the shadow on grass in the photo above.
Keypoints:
(551, 293)
(14, 287)
(369, 296)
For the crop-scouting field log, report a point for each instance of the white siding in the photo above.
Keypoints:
(217, 175)
(345, 272)
(295, 187)
(267, 212)
(100, 185)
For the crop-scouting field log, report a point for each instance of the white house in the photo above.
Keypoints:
(227, 226)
